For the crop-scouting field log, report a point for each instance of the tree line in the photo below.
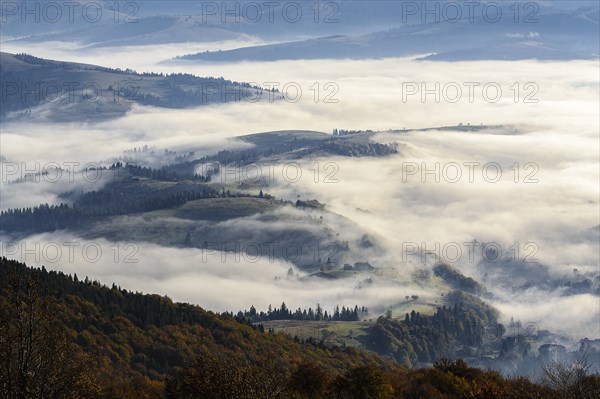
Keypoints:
(317, 314)
(113, 200)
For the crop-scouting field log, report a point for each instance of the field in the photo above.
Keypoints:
(333, 333)
(217, 209)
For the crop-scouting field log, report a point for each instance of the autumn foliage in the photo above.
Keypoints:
(65, 338)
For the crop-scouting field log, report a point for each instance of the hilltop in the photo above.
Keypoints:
(65, 91)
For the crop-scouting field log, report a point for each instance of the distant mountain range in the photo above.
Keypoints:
(546, 30)
(557, 35)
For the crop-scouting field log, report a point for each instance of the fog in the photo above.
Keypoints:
(206, 277)
(555, 138)
(146, 58)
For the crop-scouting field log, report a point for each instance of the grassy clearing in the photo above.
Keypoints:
(216, 209)
(338, 333)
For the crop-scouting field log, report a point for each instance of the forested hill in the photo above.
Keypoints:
(71, 91)
(142, 339)
(61, 337)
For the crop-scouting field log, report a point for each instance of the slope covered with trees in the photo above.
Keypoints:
(65, 338)
(103, 93)
(425, 339)
(131, 191)
(131, 341)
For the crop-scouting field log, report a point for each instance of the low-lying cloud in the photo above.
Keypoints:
(555, 138)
